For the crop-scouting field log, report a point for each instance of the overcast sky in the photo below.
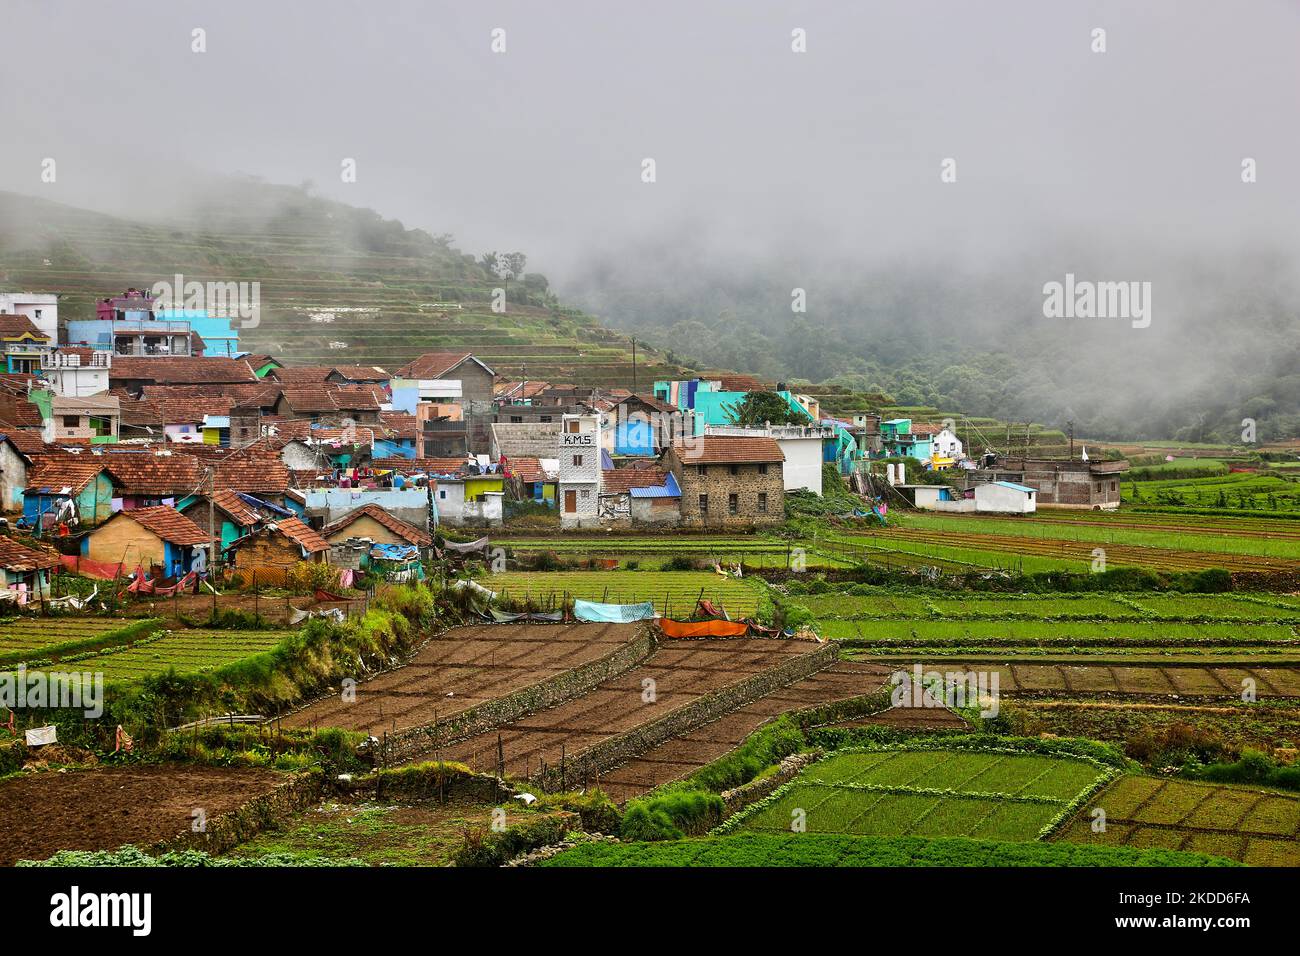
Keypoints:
(540, 148)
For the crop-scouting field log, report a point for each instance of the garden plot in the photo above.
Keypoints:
(676, 674)
(1256, 827)
(928, 792)
(25, 639)
(187, 652)
(102, 809)
(683, 755)
(462, 668)
(1082, 633)
(673, 592)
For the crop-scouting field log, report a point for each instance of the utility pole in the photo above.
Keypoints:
(634, 364)
(212, 541)
(1070, 426)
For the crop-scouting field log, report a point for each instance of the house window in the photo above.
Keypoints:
(516, 418)
(733, 470)
(101, 426)
(762, 469)
(586, 494)
(702, 469)
(733, 503)
(1114, 485)
(577, 461)
(704, 504)
(762, 502)
(546, 418)
(442, 493)
(572, 427)
(71, 421)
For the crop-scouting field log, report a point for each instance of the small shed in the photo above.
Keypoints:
(1005, 497)
(279, 544)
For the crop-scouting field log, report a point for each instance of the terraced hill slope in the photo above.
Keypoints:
(338, 284)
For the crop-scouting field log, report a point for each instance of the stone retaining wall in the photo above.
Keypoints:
(547, 693)
(261, 813)
(632, 743)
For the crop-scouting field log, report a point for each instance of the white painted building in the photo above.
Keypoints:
(946, 445)
(41, 307)
(579, 482)
(77, 374)
(801, 445)
(1005, 497)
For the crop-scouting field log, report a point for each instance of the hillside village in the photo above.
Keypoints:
(210, 453)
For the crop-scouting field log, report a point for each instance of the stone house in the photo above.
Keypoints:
(729, 481)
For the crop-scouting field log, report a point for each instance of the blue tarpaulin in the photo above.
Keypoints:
(613, 613)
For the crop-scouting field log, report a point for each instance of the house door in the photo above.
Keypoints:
(570, 502)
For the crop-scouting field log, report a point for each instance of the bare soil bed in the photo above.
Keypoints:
(463, 668)
(1211, 680)
(676, 674)
(681, 756)
(103, 809)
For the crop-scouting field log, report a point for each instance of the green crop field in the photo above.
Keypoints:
(927, 792)
(812, 849)
(29, 639)
(1239, 491)
(673, 592)
(1256, 827)
(944, 632)
(649, 551)
(186, 651)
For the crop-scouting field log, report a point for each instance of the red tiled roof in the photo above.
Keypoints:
(167, 523)
(18, 412)
(256, 469)
(226, 501)
(16, 326)
(437, 466)
(181, 370)
(528, 469)
(338, 398)
(622, 480)
(18, 557)
(300, 374)
(362, 373)
(407, 532)
(433, 364)
(165, 474)
(58, 469)
(27, 442)
(402, 424)
(300, 534)
(157, 412)
(727, 449)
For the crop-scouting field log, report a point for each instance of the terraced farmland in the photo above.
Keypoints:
(186, 651)
(1256, 827)
(28, 639)
(673, 592)
(928, 792)
(646, 550)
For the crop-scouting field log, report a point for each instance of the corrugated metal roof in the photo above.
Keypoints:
(669, 489)
(1013, 486)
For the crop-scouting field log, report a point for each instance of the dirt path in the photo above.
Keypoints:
(43, 813)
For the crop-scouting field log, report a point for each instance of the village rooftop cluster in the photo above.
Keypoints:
(144, 438)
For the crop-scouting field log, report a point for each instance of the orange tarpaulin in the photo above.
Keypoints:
(93, 569)
(673, 628)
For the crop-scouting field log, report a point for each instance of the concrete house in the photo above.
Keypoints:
(158, 538)
(579, 480)
(802, 445)
(13, 475)
(447, 379)
(729, 481)
(96, 419)
(76, 372)
(373, 522)
(1060, 482)
(23, 343)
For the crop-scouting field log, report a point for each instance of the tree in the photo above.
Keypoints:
(758, 408)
